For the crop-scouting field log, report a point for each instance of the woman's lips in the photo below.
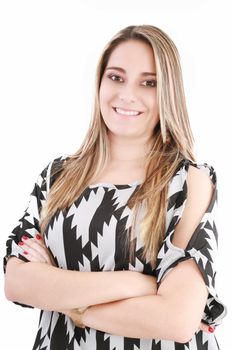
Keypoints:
(127, 112)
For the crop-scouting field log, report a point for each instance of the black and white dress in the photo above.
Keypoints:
(89, 237)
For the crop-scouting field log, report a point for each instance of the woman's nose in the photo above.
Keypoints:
(127, 95)
(127, 99)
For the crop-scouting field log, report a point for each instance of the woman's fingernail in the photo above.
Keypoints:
(25, 252)
(25, 237)
(211, 329)
(20, 243)
(38, 236)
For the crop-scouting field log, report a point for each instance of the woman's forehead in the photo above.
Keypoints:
(133, 53)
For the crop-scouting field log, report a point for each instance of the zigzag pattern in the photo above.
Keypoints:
(90, 237)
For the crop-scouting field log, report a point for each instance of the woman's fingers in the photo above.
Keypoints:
(206, 328)
(35, 250)
(40, 240)
(32, 257)
(33, 247)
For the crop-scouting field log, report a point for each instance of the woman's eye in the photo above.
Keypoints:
(152, 83)
(114, 77)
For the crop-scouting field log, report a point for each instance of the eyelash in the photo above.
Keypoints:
(115, 75)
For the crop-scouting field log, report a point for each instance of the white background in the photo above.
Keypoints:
(49, 53)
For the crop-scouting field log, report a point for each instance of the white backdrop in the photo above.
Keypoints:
(49, 51)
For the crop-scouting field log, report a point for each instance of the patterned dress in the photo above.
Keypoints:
(89, 237)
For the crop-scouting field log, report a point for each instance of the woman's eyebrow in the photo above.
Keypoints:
(123, 71)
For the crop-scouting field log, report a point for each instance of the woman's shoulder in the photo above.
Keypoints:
(57, 163)
(185, 164)
(52, 170)
(177, 188)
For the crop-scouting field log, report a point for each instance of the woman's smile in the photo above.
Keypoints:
(126, 112)
(128, 91)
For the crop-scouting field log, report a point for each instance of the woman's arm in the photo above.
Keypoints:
(38, 283)
(173, 314)
(176, 311)
(50, 288)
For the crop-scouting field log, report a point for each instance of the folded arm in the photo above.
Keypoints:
(176, 311)
(50, 288)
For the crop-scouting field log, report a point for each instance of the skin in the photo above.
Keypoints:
(130, 139)
(35, 250)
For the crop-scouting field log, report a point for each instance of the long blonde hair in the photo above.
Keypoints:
(173, 142)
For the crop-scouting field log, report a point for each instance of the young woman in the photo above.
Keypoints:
(117, 246)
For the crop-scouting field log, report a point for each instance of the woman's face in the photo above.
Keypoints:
(129, 85)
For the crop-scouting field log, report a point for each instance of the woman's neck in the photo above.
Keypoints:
(128, 152)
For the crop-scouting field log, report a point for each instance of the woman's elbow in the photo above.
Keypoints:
(10, 280)
(185, 330)
(181, 324)
(8, 289)
(184, 337)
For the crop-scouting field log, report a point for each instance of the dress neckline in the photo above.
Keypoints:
(120, 186)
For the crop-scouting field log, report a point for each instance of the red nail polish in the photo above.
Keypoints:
(211, 329)
(20, 243)
(25, 237)
(38, 236)
(25, 252)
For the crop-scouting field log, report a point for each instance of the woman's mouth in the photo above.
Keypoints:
(126, 112)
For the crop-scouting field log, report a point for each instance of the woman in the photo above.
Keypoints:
(120, 238)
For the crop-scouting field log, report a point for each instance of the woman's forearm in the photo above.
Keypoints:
(174, 313)
(50, 288)
(146, 317)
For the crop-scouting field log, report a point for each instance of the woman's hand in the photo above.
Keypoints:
(206, 328)
(77, 316)
(35, 250)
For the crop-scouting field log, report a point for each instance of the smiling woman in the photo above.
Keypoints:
(124, 89)
(118, 244)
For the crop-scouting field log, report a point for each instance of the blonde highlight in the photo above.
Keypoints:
(172, 142)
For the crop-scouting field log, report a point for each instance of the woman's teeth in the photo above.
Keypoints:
(123, 112)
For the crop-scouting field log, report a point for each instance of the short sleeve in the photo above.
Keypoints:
(203, 244)
(28, 224)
